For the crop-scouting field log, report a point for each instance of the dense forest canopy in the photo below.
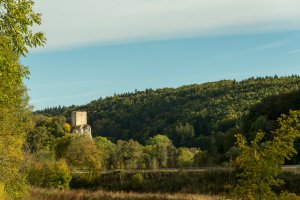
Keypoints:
(201, 115)
(208, 108)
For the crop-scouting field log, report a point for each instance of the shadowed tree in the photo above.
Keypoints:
(259, 164)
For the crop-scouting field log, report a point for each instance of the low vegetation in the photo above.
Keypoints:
(52, 194)
(258, 164)
(203, 182)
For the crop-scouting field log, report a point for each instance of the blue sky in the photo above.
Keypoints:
(116, 47)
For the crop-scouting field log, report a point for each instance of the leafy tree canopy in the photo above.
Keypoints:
(196, 111)
(17, 18)
(14, 122)
(259, 163)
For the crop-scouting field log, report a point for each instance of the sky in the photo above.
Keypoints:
(96, 48)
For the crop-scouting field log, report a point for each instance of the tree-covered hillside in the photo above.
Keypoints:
(193, 115)
(264, 115)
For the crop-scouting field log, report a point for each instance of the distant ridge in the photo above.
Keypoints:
(189, 115)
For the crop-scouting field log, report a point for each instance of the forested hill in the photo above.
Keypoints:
(189, 115)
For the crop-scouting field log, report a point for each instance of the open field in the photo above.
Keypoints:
(53, 194)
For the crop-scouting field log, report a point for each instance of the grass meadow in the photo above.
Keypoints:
(55, 194)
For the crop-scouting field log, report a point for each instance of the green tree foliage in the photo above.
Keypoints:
(81, 154)
(38, 139)
(161, 149)
(185, 157)
(264, 116)
(11, 73)
(214, 110)
(186, 134)
(128, 154)
(14, 122)
(16, 19)
(259, 163)
(49, 174)
(45, 131)
(55, 125)
(137, 181)
(62, 144)
(149, 158)
(106, 150)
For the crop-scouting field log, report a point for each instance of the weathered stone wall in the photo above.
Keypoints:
(79, 123)
(79, 118)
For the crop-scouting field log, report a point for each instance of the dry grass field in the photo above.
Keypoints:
(53, 194)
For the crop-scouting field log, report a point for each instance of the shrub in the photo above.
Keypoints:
(289, 196)
(212, 181)
(50, 174)
(137, 181)
(185, 157)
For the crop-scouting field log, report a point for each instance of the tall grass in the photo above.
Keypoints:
(54, 194)
(154, 186)
(207, 182)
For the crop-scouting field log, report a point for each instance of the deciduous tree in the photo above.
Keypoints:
(16, 36)
(14, 121)
(259, 163)
(82, 154)
(16, 20)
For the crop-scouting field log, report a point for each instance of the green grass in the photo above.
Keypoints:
(54, 194)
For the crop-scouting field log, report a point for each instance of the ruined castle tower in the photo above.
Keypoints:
(79, 123)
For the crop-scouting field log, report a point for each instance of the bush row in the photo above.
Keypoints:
(213, 181)
(209, 182)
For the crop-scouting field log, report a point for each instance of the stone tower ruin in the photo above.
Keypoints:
(79, 123)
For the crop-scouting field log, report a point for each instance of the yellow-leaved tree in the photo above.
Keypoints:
(16, 19)
(14, 118)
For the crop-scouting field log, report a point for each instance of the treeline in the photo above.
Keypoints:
(61, 159)
(205, 116)
(54, 153)
(51, 139)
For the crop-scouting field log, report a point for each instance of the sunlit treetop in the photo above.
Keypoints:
(16, 21)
